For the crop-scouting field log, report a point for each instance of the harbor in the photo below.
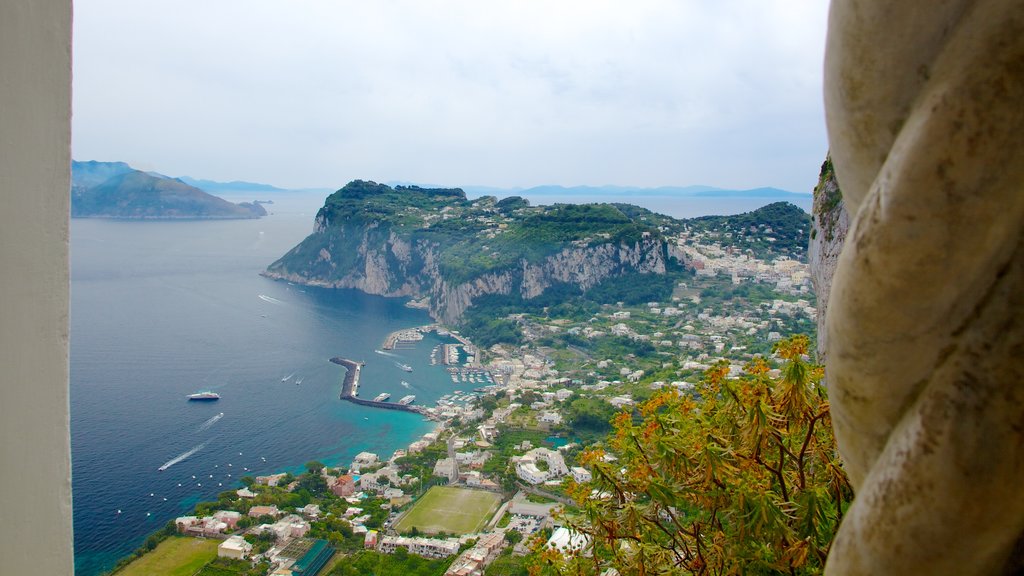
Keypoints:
(350, 389)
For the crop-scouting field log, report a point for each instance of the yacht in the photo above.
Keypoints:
(204, 396)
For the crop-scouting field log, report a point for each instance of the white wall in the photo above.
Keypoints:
(35, 160)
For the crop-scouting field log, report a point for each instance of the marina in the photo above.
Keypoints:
(350, 388)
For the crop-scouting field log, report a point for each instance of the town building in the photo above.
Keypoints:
(344, 486)
(426, 547)
(581, 474)
(527, 469)
(257, 511)
(234, 547)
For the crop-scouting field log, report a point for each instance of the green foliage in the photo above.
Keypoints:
(508, 565)
(400, 563)
(490, 331)
(590, 415)
(744, 479)
(788, 223)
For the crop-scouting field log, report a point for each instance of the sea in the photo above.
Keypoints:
(164, 309)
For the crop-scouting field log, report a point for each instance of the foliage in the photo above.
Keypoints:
(590, 414)
(398, 564)
(508, 565)
(745, 479)
(789, 226)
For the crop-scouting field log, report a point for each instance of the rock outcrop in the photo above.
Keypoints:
(387, 264)
(830, 223)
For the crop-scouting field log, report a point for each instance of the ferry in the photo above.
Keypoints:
(382, 397)
(407, 399)
(204, 396)
(405, 367)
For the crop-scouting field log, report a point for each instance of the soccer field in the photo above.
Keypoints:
(451, 510)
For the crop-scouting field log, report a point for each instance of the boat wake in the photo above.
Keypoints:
(383, 353)
(210, 422)
(266, 298)
(181, 457)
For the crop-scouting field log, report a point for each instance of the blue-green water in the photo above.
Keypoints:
(164, 309)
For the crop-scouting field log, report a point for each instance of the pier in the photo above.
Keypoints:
(350, 388)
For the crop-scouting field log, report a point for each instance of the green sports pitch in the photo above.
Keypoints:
(451, 510)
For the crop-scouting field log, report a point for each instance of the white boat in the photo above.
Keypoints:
(404, 383)
(206, 395)
(407, 399)
(405, 367)
(382, 397)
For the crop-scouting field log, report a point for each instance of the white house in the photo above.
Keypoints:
(581, 474)
(234, 547)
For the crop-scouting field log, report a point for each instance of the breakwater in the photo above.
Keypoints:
(350, 388)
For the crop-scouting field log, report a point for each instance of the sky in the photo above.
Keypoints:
(505, 93)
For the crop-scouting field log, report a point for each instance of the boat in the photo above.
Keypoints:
(288, 377)
(407, 399)
(206, 395)
(382, 397)
(404, 383)
(405, 367)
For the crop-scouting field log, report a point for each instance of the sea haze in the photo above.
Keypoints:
(161, 310)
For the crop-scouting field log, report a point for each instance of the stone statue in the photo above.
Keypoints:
(925, 327)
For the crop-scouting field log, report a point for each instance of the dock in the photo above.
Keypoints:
(350, 388)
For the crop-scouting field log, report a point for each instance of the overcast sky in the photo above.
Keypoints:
(314, 93)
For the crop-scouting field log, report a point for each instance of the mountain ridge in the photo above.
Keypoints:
(116, 190)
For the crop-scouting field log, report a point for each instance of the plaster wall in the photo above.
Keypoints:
(35, 161)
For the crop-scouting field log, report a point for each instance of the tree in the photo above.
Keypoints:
(314, 466)
(744, 479)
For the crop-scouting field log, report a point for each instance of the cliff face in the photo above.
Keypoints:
(382, 262)
(829, 224)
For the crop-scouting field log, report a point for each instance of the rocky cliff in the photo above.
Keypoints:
(439, 245)
(829, 224)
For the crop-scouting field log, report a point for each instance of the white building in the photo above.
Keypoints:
(364, 460)
(426, 547)
(581, 474)
(551, 418)
(527, 469)
(566, 540)
(234, 547)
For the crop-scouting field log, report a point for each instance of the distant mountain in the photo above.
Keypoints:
(85, 175)
(133, 194)
(598, 192)
(233, 186)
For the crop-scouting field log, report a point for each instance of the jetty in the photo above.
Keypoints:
(350, 388)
